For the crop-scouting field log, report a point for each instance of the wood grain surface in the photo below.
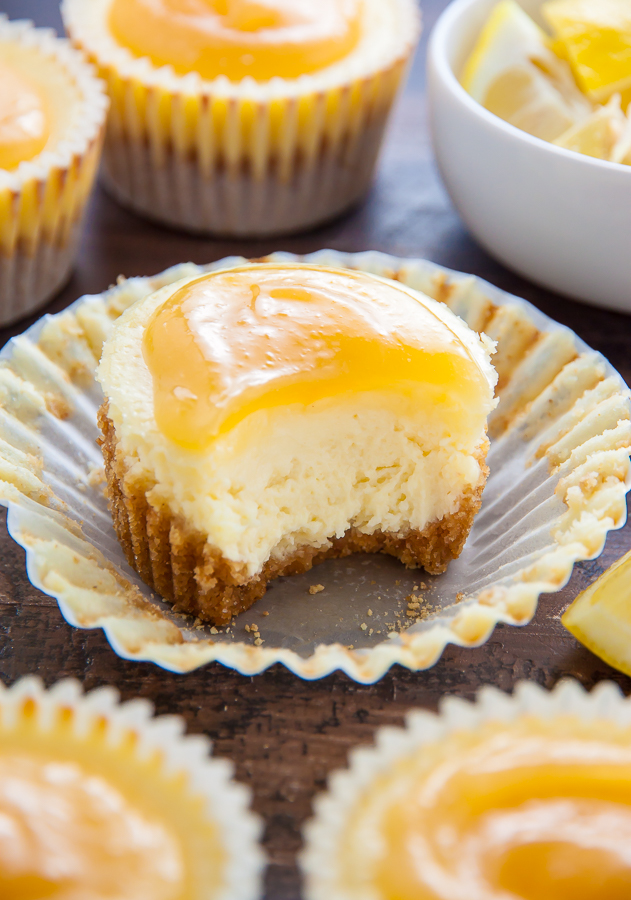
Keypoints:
(285, 735)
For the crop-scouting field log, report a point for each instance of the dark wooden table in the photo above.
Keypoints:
(286, 735)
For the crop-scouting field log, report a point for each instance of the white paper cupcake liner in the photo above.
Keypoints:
(28, 280)
(323, 834)
(236, 203)
(559, 461)
(226, 802)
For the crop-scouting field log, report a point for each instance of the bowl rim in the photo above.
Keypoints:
(437, 57)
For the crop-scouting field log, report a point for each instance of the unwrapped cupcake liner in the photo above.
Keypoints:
(43, 200)
(240, 159)
(323, 835)
(226, 802)
(559, 475)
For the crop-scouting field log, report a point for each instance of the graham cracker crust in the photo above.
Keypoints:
(180, 564)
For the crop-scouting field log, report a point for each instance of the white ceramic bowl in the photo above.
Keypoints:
(557, 217)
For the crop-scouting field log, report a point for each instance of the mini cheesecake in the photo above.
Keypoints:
(245, 117)
(262, 418)
(101, 801)
(510, 798)
(52, 119)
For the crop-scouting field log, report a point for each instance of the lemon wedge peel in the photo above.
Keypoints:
(514, 72)
(600, 617)
(509, 35)
(596, 36)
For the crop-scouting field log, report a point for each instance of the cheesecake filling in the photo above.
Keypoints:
(520, 814)
(24, 118)
(261, 39)
(275, 407)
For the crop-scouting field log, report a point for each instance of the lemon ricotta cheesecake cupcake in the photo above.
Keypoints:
(99, 800)
(244, 117)
(52, 116)
(523, 798)
(262, 418)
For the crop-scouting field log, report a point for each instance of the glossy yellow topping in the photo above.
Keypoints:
(84, 818)
(515, 814)
(24, 118)
(236, 342)
(237, 38)
(62, 829)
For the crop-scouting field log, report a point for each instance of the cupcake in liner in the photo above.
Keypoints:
(43, 198)
(559, 475)
(303, 509)
(101, 799)
(481, 801)
(246, 158)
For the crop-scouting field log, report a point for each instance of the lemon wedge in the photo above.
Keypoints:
(514, 73)
(599, 134)
(600, 617)
(596, 35)
(621, 152)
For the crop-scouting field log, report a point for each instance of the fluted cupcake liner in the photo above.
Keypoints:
(226, 804)
(242, 159)
(559, 475)
(325, 872)
(43, 200)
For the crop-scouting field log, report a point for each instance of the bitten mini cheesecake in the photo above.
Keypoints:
(245, 117)
(52, 118)
(262, 418)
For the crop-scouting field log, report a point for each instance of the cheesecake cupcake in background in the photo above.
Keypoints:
(52, 117)
(244, 117)
(508, 798)
(99, 799)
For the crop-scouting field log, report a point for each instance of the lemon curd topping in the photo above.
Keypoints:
(236, 342)
(237, 38)
(62, 828)
(24, 118)
(84, 817)
(536, 811)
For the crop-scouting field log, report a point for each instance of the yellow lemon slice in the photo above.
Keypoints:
(621, 152)
(514, 73)
(600, 617)
(599, 134)
(596, 35)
